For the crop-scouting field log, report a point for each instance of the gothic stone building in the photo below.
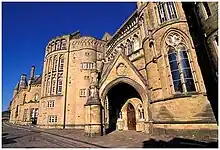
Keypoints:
(145, 77)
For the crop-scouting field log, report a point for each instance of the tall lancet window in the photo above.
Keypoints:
(61, 63)
(55, 63)
(172, 56)
(185, 68)
(180, 67)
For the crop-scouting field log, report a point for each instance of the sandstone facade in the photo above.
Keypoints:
(144, 77)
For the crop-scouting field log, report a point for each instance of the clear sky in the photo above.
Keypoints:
(28, 27)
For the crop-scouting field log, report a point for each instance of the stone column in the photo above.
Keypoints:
(93, 114)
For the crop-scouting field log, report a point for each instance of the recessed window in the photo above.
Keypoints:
(53, 86)
(166, 11)
(50, 104)
(57, 45)
(82, 92)
(61, 63)
(179, 63)
(129, 47)
(60, 86)
(55, 61)
(52, 119)
(63, 44)
(87, 65)
(86, 77)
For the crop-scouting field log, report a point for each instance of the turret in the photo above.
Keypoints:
(23, 82)
(16, 89)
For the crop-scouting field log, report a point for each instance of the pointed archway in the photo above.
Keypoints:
(117, 100)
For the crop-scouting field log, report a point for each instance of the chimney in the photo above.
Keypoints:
(23, 82)
(31, 77)
(32, 73)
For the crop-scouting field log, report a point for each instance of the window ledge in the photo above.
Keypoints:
(179, 95)
(52, 96)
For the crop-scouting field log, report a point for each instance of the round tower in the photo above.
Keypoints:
(82, 61)
(51, 110)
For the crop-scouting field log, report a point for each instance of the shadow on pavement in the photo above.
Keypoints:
(8, 141)
(4, 134)
(179, 143)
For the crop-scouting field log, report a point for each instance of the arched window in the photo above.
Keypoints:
(185, 68)
(48, 49)
(129, 47)
(136, 43)
(57, 45)
(48, 86)
(49, 65)
(172, 56)
(36, 97)
(55, 61)
(46, 66)
(63, 44)
(53, 86)
(59, 86)
(53, 46)
(179, 64)
(122, 48)
(61, 63)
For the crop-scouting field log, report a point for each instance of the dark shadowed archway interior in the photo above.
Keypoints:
(117, 96)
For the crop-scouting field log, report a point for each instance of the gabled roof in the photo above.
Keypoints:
(111, 65)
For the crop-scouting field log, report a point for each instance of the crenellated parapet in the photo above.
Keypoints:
(87, 42)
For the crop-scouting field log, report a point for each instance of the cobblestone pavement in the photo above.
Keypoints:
(116, 139)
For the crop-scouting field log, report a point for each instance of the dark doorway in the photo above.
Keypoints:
(117, 96)
(131, 117)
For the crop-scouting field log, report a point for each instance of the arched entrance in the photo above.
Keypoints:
(131, 119)
(120, 107)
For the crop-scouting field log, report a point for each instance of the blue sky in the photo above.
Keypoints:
(28, 27)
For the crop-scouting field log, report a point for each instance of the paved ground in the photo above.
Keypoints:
(23, 136)
(13, 136)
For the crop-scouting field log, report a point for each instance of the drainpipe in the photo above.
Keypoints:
(65, 99)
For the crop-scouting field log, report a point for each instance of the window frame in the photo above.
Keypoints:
(82, 92)
(167, 10)
(181, 70)
(59, 86)
(61, 63)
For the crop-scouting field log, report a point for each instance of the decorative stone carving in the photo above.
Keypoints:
(121, 69)
(173, 39)
(94, 76)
